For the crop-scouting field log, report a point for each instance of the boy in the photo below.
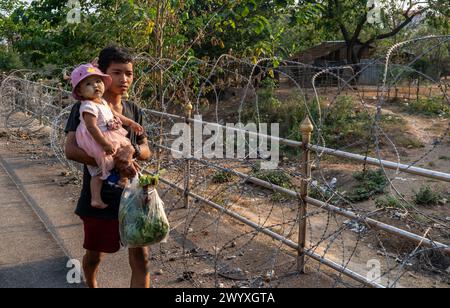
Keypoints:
(101, 227)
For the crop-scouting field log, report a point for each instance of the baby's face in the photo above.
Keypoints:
(91, 87)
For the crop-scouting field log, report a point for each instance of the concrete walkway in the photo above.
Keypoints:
(29, 255)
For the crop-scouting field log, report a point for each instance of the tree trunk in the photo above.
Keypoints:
(159, 48)
(350, 53)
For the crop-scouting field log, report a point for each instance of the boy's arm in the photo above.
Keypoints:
(145, 152)
(73, 152)
(128, 122)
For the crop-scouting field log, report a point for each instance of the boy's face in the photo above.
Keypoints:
(91, 88)
(122, 77)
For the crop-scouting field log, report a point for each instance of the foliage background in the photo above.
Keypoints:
(36, 34)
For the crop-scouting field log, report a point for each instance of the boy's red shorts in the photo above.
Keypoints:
(101, 235)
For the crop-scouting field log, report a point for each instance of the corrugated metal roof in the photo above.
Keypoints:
(318, 51)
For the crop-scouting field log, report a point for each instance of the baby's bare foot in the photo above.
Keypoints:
(99, 205)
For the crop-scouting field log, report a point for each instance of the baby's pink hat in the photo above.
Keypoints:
(84, 71)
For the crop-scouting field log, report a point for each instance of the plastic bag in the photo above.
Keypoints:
(142, 218)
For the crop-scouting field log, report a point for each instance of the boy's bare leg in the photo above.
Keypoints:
(140, 271)
(91, 263)
(96, 192)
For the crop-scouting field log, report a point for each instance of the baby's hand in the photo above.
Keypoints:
(109, 149)
(138, 129)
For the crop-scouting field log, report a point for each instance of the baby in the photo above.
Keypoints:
(100, 133)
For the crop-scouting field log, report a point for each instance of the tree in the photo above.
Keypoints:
(179, 29)
(249, 28)
(351, 19)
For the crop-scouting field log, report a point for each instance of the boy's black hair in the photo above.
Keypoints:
(113, 54)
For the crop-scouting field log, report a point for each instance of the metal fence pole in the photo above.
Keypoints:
(187, 171)
(306, 129)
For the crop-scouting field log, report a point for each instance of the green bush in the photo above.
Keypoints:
(391, 202)
(276, 177)
(278, 197)
(431, 107)
(270, 85)
(370, 183)
(341, 123)
(426, 196)
(221, 177)
(344, 123)
(10, 61)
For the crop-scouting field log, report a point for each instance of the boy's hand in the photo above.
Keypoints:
(138, 129)
(109, 149)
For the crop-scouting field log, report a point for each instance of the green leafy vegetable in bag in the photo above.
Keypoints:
(149, 180)
(142, 217)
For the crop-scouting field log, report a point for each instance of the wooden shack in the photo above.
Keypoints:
(324, 55)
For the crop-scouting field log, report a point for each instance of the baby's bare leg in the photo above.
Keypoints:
(96, 189)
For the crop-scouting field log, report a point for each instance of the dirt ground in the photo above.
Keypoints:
(372, 245)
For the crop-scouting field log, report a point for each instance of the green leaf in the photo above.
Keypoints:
(148, 180)
(258, 26)
(245, 12)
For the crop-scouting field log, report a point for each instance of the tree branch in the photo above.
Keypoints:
(359, 27)
(399, 28)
